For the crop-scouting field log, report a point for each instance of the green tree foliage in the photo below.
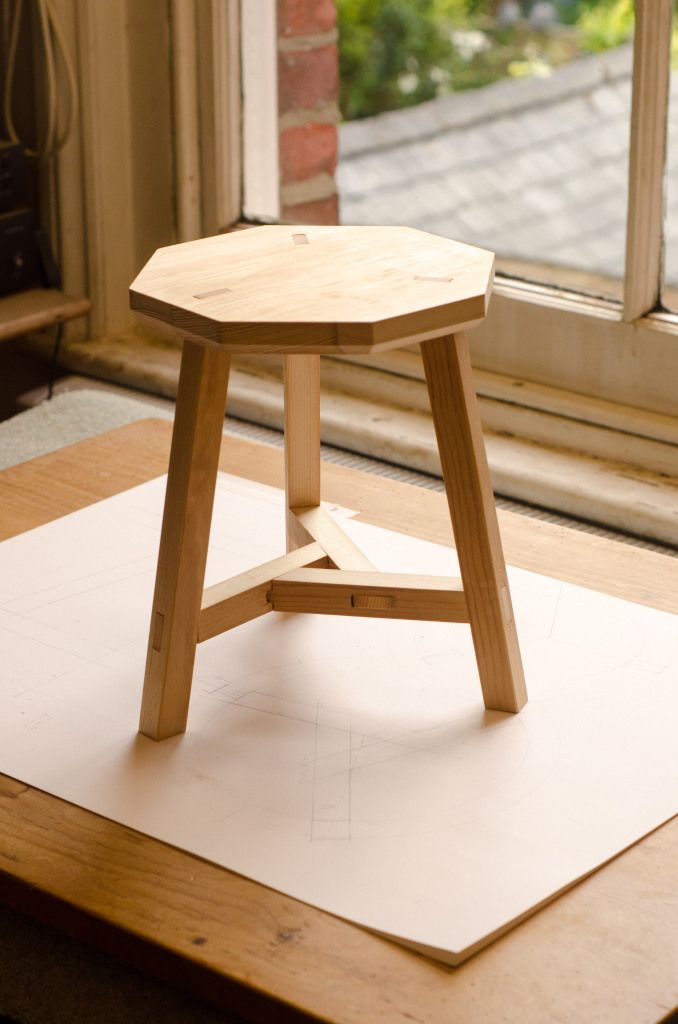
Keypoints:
(381, 43)
(605, 24)
(397, 53)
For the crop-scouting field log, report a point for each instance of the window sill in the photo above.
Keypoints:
(555, 460)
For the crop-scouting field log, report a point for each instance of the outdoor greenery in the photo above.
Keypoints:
(396, 53)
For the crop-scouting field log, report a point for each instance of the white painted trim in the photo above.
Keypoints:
(107, 143)
(647, 156)
(261, 177)
(621, 495)
(624, 478)
(219, 125)
(226, 86)
(546, 416)
(186, 121)
(580, 349)
(588, 358)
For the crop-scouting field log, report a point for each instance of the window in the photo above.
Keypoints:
(592, 323)
(522, 144)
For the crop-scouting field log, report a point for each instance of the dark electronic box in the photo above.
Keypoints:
(20, 263)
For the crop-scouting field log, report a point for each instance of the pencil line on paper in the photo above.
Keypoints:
(315, 763)
(82, 593)
(79, 579)
(350, 771)
(555, 611)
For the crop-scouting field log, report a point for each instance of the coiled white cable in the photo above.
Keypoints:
(54, 47)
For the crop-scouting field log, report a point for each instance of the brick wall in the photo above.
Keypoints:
(308, 112)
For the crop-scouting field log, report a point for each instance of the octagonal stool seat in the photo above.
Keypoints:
(303, 291)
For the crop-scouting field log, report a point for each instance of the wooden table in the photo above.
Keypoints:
(607, 950)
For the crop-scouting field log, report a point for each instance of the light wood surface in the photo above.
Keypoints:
(319, 524)
(370, 594)
(605, 951)
(343, 289)
(469, 492)
(301, 389)
(201, 403)
(247, 596)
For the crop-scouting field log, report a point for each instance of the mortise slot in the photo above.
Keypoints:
(371, 593)
(300, 239)
(376, 602)
(158, 627)
(506, 606)
(432, 277)
(215, 291)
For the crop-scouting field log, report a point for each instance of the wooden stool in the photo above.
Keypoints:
(303, 291)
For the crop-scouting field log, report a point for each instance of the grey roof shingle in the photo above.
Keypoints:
(534, 169)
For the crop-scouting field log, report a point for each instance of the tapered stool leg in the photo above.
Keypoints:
(194, 458)
(302, 441)
(474, 520)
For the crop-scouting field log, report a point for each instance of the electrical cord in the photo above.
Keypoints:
(54, 48)
(56, 135)
(54, 361)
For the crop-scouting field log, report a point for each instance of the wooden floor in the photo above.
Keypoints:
(607, 950)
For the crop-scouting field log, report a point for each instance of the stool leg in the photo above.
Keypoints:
(302, 441)
(474, 520)
(191, 482)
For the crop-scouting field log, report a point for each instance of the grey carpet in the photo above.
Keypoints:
(68, 418)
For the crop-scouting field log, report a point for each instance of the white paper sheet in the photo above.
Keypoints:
(347, 762)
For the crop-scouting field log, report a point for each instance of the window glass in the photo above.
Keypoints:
(503, 123)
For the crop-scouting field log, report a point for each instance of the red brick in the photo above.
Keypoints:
(308, 78)
(305, 17)
(307, 150)
(320, 211)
